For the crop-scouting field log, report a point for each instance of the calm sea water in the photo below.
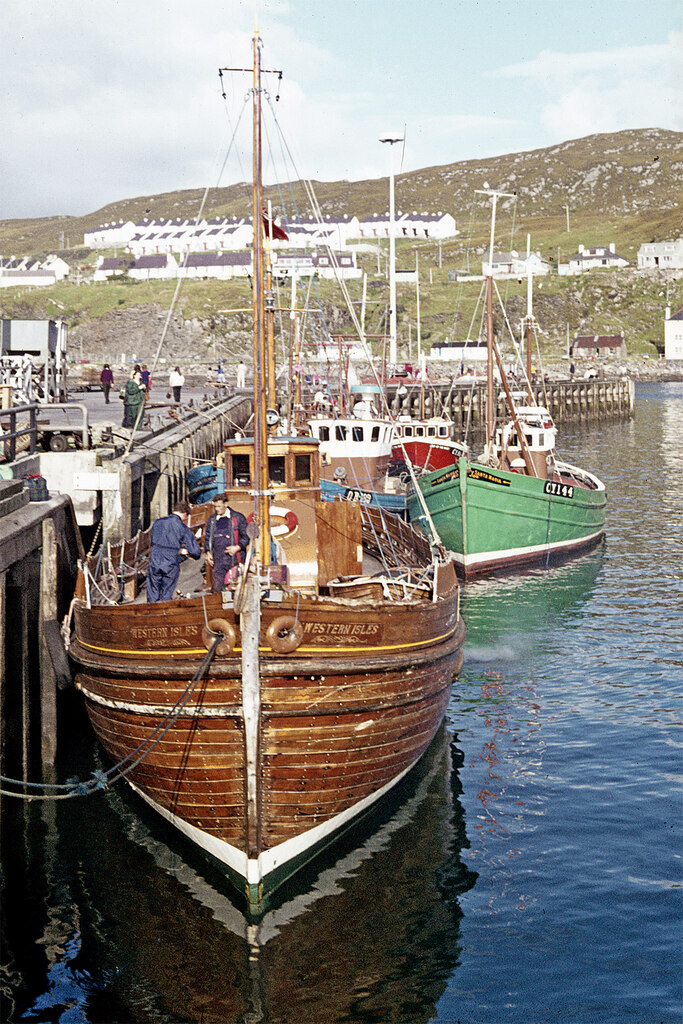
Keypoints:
(530, 873)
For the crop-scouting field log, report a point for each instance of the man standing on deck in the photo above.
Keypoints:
(225, 541)
(171, 538)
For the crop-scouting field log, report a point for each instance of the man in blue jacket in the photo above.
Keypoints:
(170, 538)
(225, 541)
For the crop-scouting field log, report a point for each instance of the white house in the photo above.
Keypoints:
(661, 255)
(325, 263)
(460, 351)
(148, 268)
(596, 257)
(57, 266)
(25, 270)
(221, 265)
(110, 236)
(415, 225)
(511, 264)
(673, 335)
(106, 267)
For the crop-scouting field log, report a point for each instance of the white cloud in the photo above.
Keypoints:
(585, 93)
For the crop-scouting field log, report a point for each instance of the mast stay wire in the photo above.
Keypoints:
(315, 206)
(187, 253)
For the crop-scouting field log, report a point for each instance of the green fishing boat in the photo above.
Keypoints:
(494, 519)
(517, 504)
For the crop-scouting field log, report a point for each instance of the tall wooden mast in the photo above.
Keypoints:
(260, 333)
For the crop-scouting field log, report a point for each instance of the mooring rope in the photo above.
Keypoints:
(102, 780)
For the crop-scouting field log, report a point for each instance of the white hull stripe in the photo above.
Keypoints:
(255, 870)
(482, 558)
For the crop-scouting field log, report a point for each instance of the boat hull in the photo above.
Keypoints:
(495, 520)
(342, 720)
(386, 500)
(423, 454)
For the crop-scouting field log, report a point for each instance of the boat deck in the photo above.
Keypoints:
(191, 581)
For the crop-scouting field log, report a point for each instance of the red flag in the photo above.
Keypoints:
(273, 231)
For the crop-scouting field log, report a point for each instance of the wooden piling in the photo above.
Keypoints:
(48, 678)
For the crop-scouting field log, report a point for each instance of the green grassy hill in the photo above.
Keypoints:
(624, 187)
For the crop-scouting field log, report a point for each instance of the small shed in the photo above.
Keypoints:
(598, 346)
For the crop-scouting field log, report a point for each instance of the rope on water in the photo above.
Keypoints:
(102, 780)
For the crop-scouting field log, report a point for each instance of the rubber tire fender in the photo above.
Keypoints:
(214, 626)
(285, 634)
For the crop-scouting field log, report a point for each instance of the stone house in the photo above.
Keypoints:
(598, 346)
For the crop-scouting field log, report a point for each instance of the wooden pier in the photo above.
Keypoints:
(568, 401)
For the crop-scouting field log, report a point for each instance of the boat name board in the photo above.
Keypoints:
(560, 490)
(483, 474)
(451, 474)
(354, 494)
(358, 630)
(161, 636)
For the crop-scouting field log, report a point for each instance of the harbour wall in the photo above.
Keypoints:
(40, 546)
(100, 496)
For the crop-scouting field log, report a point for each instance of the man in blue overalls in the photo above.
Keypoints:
(170, 538)
(225, 541)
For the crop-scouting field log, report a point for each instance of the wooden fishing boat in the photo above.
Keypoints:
(264, 720)
(518, 504)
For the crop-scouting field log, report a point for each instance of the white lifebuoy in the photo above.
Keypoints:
(289, 521)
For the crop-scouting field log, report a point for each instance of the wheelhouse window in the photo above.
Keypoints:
(324, 433)
(340, 432)
(302, 468)
(375, 433)
(357, 433)
(276, 469)
(241, 474)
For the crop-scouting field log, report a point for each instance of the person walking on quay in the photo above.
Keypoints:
(106, 380)
(175, 382)
(242, 374)
(225, 541)
(133, 396)
(146, 378)
(171, 539)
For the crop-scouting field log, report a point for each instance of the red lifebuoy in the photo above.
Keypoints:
(285, 634)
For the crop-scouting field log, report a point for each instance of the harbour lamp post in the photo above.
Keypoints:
(393, 354)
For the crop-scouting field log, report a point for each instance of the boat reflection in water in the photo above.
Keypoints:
(126, 927)
(509, 606)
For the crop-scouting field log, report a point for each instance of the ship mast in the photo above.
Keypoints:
(493, 353)
(490, 341)
(260, 333)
